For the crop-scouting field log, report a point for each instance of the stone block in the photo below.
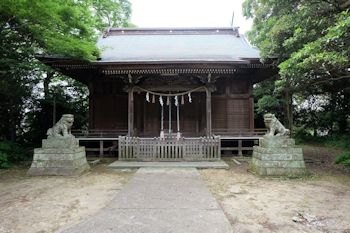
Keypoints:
(273, 158)
(60, 142)
(279, 163)
(59, 161)
(57, 171)
(59, 154)
(278, 150)
(276, 142)
(268, 155)
(289, 172)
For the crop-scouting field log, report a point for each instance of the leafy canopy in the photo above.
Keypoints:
(310, 42)
(67, 28)
(310, 39)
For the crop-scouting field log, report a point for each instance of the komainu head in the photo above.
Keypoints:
(275, 127)
(63, 127)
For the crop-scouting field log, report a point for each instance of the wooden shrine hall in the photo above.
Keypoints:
(170, 94)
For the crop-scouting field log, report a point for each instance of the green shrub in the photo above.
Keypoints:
(340, 141)
(301, 136)
(343, 158)
(11, 153)
(4, 163)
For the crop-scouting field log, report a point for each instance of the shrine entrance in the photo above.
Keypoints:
(168, 114)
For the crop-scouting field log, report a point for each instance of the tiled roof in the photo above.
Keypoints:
(175, 45)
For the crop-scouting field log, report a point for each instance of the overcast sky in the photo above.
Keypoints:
(188, 13)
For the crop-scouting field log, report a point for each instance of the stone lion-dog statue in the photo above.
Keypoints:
(275, 127)
(62, 128)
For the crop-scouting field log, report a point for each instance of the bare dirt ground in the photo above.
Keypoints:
(319, 202)
(47, 204)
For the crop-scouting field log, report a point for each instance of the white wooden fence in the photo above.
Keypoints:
(170, 149)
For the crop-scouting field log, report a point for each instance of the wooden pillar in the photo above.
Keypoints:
(251, 113)
(91, 106)
(131, 112)
(240, 153)
(101, 148)
(251, 107)
(208, 113)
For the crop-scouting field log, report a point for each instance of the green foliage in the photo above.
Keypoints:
(343, 158)
(267, 98)
(70, 97)
(11, 153)
(339, 141)
(310, 42)
(64, 28)
(111, 13)
(324, 59)
(302, 135)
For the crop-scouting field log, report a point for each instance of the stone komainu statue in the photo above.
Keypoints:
(274, 126)
(62, 128)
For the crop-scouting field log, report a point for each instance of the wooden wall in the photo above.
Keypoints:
(232, 108)
(108, 106)
(232, 104)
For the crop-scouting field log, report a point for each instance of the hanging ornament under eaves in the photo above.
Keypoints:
(153, 99)
(147, 96)
(189, 97)
(161, 100)
(182, 100)
(176, 101)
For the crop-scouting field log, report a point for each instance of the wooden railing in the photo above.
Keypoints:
(92, 133)
(240, 132)
(156, 149)
(217, 131)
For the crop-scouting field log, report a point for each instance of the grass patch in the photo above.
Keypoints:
(343, 158)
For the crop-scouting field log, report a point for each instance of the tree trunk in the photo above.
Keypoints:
(12, 125)
(288, 108)
(47, 80)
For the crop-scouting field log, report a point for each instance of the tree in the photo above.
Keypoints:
(111, 13)
(28, 28)
(309, 40)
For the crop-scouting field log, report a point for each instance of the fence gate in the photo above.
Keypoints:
(170, 149)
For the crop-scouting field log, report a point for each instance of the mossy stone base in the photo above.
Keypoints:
(58, 162)
(278, 156)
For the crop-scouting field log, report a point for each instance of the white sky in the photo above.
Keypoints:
(188, 13)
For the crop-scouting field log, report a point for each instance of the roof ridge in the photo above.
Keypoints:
(172, 28)
(172, 31)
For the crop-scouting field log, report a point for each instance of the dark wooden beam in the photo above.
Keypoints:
(208, 112)
(131, 111)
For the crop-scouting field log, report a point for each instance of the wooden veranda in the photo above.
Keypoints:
(228, 141)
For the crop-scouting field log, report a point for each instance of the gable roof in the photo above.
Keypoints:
(175, 45)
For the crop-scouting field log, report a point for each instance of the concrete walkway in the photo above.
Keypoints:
(160, 200)
(220, 164)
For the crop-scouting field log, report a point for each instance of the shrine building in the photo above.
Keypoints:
(155, 89)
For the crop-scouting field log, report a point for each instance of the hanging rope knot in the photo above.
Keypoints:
(176, 101)
(189, 97)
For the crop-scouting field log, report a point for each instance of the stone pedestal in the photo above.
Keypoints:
(278, 156)
(59, 156)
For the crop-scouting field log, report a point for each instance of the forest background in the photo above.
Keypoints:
(309, 40)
